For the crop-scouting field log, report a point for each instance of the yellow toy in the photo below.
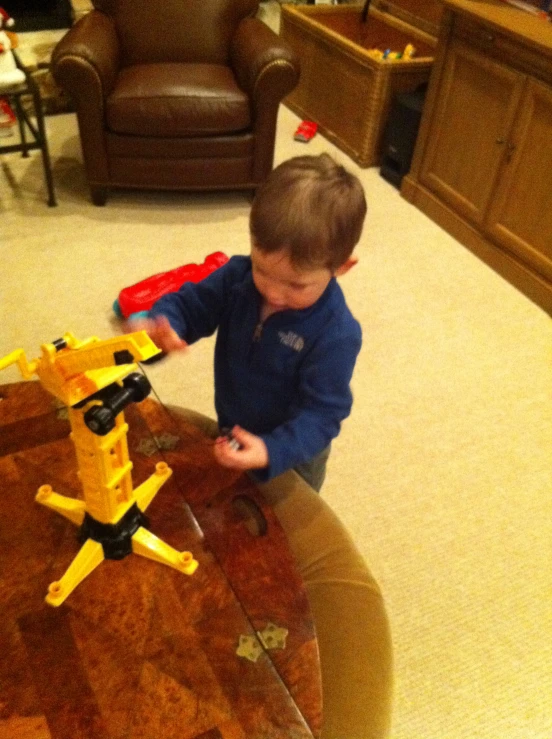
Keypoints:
(96, 380)
(375, 54)
(388, 55)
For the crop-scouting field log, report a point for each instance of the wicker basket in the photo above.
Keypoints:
(344, 88)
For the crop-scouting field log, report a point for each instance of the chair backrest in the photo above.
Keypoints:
(176, 30)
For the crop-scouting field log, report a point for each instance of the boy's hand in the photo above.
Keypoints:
(160, 332)
(252, 455)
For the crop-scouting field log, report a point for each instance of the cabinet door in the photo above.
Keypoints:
(473, 116)
(520, 217)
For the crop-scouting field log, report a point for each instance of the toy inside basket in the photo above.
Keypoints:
(351, 68)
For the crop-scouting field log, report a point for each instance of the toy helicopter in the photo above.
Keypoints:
(96, 380)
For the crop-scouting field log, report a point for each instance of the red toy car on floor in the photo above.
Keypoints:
(140, 297)
(305, 131)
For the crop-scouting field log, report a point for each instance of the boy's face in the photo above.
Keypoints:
(283, 286)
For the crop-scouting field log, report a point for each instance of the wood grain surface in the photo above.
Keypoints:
(139, 650)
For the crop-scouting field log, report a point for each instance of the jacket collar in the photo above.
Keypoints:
(247, 288)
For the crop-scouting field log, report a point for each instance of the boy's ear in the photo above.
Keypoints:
(346, 266)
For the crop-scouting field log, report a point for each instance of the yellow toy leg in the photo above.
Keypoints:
(71, 508)
(89, 557)
(148, 545)
(147, 491)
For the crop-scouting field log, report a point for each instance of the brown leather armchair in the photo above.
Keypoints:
(175, 94)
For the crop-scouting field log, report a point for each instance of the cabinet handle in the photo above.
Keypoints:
(501, 141)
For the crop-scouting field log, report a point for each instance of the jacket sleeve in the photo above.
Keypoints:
(195, 310)
(325, 400)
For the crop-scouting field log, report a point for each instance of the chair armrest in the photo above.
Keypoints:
(264, 64)
(85, 63)
(354, 636)
(87, 58)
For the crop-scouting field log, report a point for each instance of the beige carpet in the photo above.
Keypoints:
(443, 471)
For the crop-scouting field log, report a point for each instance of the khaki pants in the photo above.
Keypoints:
(313, 472)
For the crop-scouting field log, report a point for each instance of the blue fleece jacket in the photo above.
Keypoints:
(285, 380)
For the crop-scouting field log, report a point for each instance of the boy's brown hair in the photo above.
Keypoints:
(313, 208)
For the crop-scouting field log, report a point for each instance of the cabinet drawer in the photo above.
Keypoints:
(503, 47)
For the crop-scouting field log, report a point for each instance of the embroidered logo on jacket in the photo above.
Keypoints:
(291, 339)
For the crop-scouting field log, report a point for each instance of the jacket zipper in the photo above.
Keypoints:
(258, 331)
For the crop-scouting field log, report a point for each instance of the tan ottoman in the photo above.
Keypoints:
(346, 603)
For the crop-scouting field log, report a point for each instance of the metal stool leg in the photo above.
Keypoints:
(21, 124)
(43, 141)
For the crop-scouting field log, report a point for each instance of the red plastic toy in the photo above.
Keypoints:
(140, 297)
(305, 131)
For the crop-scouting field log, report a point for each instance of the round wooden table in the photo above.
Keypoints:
(139, 650)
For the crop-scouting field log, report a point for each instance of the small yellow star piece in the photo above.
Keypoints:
(62, 413)
(167, 442)
(152, 444)
(147, 447)
(249, 648)
(273, 637)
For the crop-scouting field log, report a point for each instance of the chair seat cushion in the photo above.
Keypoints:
(177, 100)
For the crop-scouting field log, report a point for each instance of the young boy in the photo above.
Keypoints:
(287, 342)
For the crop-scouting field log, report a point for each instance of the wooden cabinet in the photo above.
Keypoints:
(475, 110)
(483, 162)
(520, 216)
